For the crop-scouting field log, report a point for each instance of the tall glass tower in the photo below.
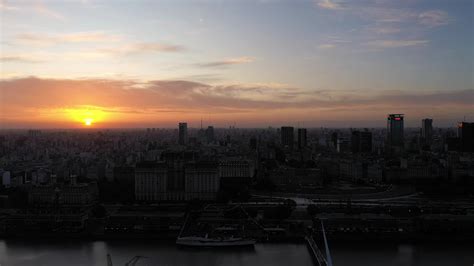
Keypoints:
(395, 130)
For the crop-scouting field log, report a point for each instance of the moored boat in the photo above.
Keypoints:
(197, 241)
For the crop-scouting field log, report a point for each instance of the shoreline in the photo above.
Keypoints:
(412, 238)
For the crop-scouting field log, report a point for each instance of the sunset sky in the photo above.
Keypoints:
(334, 63)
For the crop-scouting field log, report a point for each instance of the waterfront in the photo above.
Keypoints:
(36, 252)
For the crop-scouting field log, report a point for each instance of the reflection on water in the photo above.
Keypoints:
(74, 252)
(387, 254)
(157, 253)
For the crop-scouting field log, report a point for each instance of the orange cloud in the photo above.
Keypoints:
(229, 61)
(118, 103)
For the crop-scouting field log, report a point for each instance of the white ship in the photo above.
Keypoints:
(197, 241)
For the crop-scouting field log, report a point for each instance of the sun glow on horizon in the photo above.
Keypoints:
(88, 121)
(87, 116)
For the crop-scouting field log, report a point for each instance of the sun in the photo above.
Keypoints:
(88, 121)
(87, 116)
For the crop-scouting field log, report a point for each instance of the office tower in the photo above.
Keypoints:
(334, 138)
(361, 141)
(395, 131)
(183, 133)
(287, 137)
(342, 145)
(427, 129)
(302, 139)
(210, 134)
(466, 136)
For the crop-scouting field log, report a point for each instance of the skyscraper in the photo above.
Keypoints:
(361, 141)
(395, 131)
(302, 139)
(183, 133)
(427, 129)
(334, 137)
(466, 136)
(287, 137)
(210, 134)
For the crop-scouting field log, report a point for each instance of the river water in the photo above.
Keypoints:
(62, 253)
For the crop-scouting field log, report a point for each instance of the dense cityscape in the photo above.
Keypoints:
(400, 183)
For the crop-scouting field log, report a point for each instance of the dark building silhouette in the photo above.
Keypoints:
(343, 145)
(124, 178)
(395, 131)
(302, 138)
(466, 136)
(427, 129)
(253, 143)
(183, 133)
(287, 137)
(210, 134)
(361, 141)
(334, 138)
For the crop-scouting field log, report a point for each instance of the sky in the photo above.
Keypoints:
(332, 63)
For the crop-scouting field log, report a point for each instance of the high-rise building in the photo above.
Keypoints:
(334, 137)
(210, 134)
(287, 137)
(183, 133)
(395, 131)
(466, 136)
(302, 138)
(361, 141)
(427, 129)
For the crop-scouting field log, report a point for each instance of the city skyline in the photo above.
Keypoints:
(236, 132)
(99, 64)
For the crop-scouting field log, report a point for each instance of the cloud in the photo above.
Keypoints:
(36, 6)
(42, 9)
(20, 58)
(328, 4)
(88, 54)
(143, 47)
(385, 14)
(434, 18)
(129, 101)
(401, 25)
(76, 37)
(229, 61)
(327, 46)
(5, 6)
(376, 11)
(385, 29)
(397, 43)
